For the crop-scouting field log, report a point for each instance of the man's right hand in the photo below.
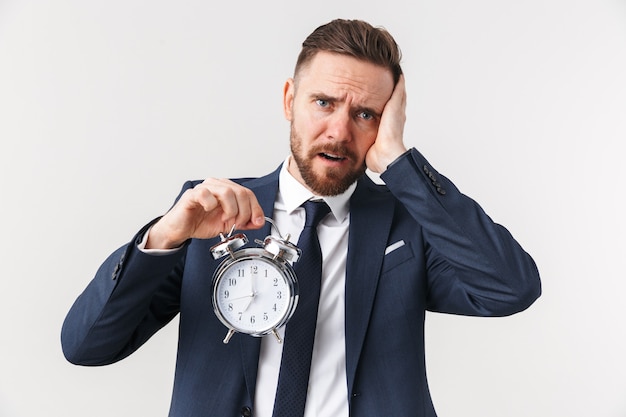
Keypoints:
(205, 211)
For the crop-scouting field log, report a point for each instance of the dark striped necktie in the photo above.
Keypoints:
(295, 364)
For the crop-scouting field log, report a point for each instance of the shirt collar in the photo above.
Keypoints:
(291, 195)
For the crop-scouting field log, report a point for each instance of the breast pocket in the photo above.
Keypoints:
(396, 254)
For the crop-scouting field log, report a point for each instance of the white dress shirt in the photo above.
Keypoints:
(328, 391)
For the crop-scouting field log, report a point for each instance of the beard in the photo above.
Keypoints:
(333, 181)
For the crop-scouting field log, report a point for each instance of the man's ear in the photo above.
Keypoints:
(288, 96)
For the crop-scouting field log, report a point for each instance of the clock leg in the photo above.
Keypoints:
(275, 333)
(230, 334)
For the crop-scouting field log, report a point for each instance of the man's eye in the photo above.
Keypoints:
(365, 115)
(322, 103)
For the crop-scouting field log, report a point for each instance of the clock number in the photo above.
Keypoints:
(279, 294)
(241, 273)
(240, 315)
(265, 317)
(230, 306)
(276, 282)
(274, 308)
(226, 294)
(254, 269)
(252, 320)
(232, 282)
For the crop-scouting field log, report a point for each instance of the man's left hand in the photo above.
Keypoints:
(389, 143)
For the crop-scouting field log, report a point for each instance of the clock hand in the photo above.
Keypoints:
(252, 294)
(253, 277)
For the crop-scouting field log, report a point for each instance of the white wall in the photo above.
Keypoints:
(107, 107)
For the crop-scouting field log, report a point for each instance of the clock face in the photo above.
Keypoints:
(253, 295)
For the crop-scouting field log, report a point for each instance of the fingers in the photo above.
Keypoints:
(205, 211)
(389, 142)
(399, 92)
(235, 204)
(396, 106)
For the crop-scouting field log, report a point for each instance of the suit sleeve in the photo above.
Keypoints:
(474, 266)
(131, 297)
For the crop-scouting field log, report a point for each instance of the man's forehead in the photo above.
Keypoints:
(341, 75)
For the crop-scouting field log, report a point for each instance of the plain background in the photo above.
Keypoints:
(106, 107)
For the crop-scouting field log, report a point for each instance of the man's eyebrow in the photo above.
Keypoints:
(325, 97)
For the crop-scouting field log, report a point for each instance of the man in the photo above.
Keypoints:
(390, 252)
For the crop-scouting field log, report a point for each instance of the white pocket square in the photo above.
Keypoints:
(394, 246)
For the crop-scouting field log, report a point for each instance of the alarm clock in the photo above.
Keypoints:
(255, 289)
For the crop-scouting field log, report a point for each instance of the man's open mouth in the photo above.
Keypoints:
(332, 157)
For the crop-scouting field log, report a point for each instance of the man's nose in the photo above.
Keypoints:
(339, 126)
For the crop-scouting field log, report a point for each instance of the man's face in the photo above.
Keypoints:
(334, 106)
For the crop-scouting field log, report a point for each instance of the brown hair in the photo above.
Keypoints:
(355, 38)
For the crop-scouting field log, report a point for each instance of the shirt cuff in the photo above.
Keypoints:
(142, 247)
(399, 158)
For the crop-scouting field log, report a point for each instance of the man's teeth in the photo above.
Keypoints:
(331, 156)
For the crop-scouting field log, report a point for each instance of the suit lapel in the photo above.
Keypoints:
(371, 214)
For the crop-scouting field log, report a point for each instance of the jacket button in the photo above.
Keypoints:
(246, 411)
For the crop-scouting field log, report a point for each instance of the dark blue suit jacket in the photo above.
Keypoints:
(454, 260)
